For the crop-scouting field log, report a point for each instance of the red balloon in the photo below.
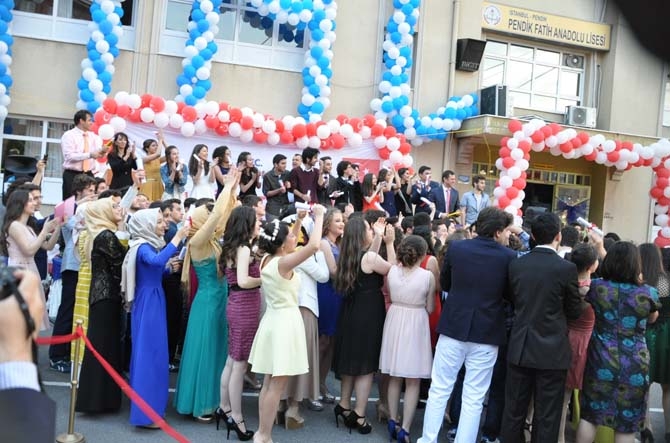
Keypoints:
(519, 183)
(247, 122)
(524, 145)
(566, 147)
(576, 142)
(299, 130)
(146, 100)
(279, 125)
(591, 157)
(617, 145)
(99, 116)
(555, 128)
(389, 132)
(260, 137)
(109, 105)
(504, 152)
(189, 113)
(157, 104)
(524, 175)
(180, 107)
(376, 130)
(663, 201)
(662, 172)
(662, 182)
(135, 115)
(526, 156)
(212, 122)
(342, 119)
(222, 129)
(613, 156)
(508, 162)
(384, 153)
(369, 120)
(235, 114)
(537, 136)
(310, 129)
(356, 123)
(94, 128)
(337, 140)
(325, 143)
(546, 131)
(512, 193)
(123, 111)
(223, 106)
(504, 201)
(662, 242)
(405, 148)
(503, 141)
(286, 137)
(513, 126)
(584, 137)
(627, 145)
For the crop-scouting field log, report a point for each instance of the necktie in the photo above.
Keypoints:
(85, 166)
(447, 198)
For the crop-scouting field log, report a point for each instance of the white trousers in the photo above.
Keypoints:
(450, 355)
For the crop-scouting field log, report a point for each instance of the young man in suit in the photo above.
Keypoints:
(472, 324)
(544, 292)
(445, 196)
(422, 191)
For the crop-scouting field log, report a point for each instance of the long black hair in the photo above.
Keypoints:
(15, 205)
(115, 141)
(272, 236)
(193, 163)
(239, 232)
(652, 263)
(352, 248)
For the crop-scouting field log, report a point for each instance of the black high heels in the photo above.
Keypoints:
(219, 415)
(241, 435)
(340, 412)
(352, 422)
(646, 436)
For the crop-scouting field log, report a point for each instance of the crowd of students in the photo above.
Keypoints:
(379, 278)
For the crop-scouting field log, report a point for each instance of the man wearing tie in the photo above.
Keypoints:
(80, 148)
(445, 196)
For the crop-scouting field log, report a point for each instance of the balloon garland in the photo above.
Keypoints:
(395, 103)
(194, 82)
(536, 135)
(98, 68)
(6, 42)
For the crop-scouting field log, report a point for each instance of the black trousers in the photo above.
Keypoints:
(68, 176)
(546, 387)
(174, 308)
(63, 323)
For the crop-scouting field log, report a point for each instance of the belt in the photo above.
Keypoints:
(238, 288)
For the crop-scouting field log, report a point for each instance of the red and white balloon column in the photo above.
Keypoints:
(537, 135)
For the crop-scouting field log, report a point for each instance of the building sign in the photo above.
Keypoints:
(543, 26)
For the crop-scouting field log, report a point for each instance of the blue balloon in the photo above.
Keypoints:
(287, 36)
(212, 47)
(407, 9)
(308, 80)
(397, 4)
(317, 35)
(82, 83)
(411, 21)
(300, 38)
(118, 10)
(301, 26)
(285, 4)
(398, 103)
(395, 80)
(303, 110)
(107, 88)
(313, 24)
(199, 92)
(98, 16)
(387, 106)
(450, 113)
(392, 27)
(314, 90)
(323, 62)
(397, 121)
(3, 26)
(415, 114)
(105, 26)
(327, 2)
(206, 54)
(405, 52)
(316, 52)
(307, 4)
(389, 63)
(86, 95)
(327, 72)
(421, 130)
(318, 15)
(90, 45)
(396, 37)
(475, 98)
(99, 66)
(296, 7)
(266, 22)
(468, 112)
(203, 25)
(197, 61)
(460, 114)
(318, 108)
(416, 3)
(197, 15)
(183, 80)
(204, 84)
(114, 51)
(112, 39)
(92, 106)
(189, 71)
(190, 100)
(93, 54)
(474, 110)
(105, 77)
(194, 33)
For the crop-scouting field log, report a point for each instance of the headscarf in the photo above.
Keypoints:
(197, 220)
(142, 229)
(99, 217)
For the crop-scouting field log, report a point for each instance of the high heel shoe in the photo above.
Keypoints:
(241, 435)
(293, 422)
(646, 436)
(403, 436)
(353, 422)
(393, 429)
(382, 412)
(219, 415)
(340, 412)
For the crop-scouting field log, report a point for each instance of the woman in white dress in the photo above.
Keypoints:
(198, 167)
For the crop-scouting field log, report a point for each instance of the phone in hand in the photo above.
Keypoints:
(45, 158)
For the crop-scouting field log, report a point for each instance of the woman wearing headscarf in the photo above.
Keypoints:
(147, 260)
(205, 344)
(97, 391)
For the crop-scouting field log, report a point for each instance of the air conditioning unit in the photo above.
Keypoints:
(580, 116)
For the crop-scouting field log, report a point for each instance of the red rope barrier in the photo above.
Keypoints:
(125, 387)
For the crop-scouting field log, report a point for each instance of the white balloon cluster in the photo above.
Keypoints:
(194, 82)
(6, 42)
(319, 16)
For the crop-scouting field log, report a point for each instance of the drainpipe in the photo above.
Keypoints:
(455, 14)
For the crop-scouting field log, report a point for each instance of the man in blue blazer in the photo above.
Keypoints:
(472, 325)
(422, 191)
(445, 196)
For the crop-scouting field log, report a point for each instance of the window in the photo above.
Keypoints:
(244, 36)
(65, 20)
(34, 138)
(666, 104)
(536, 78)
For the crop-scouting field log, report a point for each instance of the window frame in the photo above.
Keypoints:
(235, 52)
(532, 92)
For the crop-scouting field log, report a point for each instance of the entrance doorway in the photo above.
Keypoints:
(538, 195)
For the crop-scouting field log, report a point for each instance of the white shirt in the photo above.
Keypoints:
(312, 270)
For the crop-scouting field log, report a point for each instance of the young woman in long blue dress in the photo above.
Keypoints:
(147, 260)
(205, 343)
(279, 349)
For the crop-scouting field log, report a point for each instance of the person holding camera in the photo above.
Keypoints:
(122, 160)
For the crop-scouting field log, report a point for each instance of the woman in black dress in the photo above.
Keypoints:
(122, 160)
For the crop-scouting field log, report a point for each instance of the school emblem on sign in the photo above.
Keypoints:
(492, 15)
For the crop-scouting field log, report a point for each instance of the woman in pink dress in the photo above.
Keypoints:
(18, 240)
(406, 352)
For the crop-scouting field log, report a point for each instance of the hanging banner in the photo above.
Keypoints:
(529, 23)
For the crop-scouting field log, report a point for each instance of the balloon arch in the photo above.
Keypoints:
(536, 135)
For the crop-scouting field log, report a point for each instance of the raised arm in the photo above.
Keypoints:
(290, 261)
(17, 232)
(222, 209)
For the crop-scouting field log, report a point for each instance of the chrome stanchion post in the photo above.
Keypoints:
(71, 436)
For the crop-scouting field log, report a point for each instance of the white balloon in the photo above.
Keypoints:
(273, 139)
(516, 154)
(247, 136)
(176, 121)
(89, 74)
(323, 131)
(269, 126)
(514, 172)
(107, 6)
(506, 182)
(106, 131)
(355, 141)
(513, 143)
(380, 142)
(118, 124)
(102, 46)
(662, 219)
(610, 146)
(659, 209)
(499, 192)
(523, 164)
(134, 101)
(187, 129)
(161, 119)
(147, 115)
(395, 157)
(393, 144)
(234, 129)
(511, 210)
(665, 232)
(537, 147)
(347, 130)
(302, 142)
(551, 141)
(202, 73)
(208, 6)
(200, 43)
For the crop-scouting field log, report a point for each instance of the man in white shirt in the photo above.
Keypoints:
(474, 201)
(80, 148)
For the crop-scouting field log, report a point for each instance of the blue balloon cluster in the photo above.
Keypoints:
(6, 42)
(287, 33)
(98, 68)
(395, 103)
(194, 83)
